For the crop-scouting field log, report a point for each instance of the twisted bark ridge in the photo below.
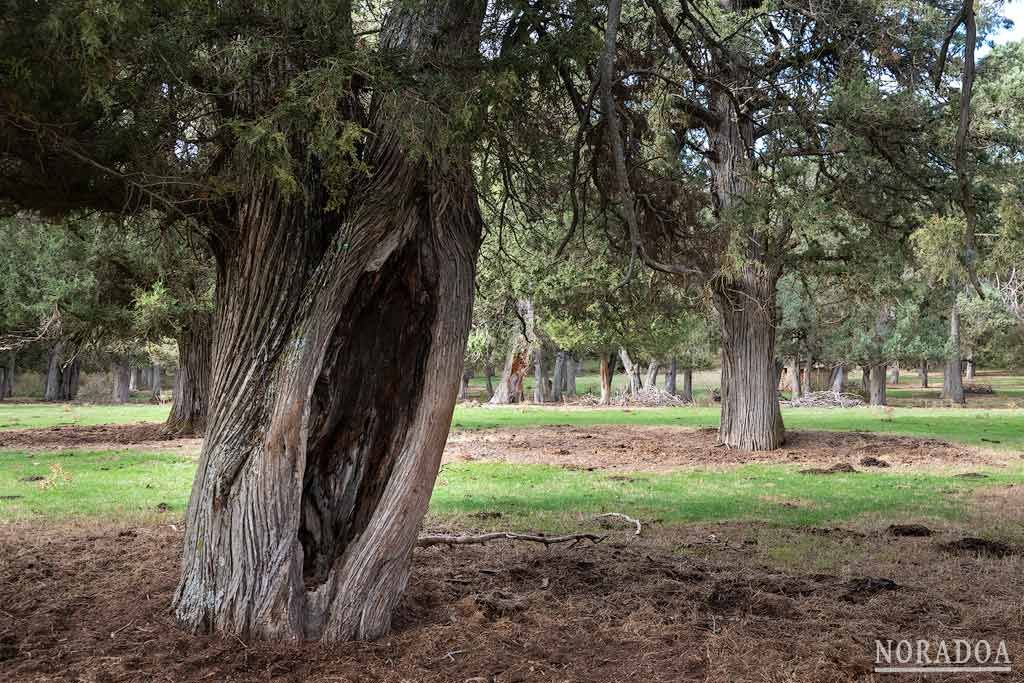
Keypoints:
(192, 379)
(316, 471)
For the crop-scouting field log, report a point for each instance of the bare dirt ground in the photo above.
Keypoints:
(147, 436)
(637, 448)
(90, 603)
(665, 448)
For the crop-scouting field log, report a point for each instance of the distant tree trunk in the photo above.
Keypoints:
(952, 381)
(191, 388)
(670, 376)
(54, 369)
(970, 367)
(877, 382)
(607, 372)
(808, 371)
(793, 372)
(489, 376)
(467, 375)
(133, 381)
(4, 390)
(11, 374)
(540, 394)
(865, 378)
(838, 383)
(924, 373)
(687, 393)
(632, 371)
(570, 375)
(558, 380)
(517, 363)
(121, 374)
(652, 374)
(156, 376)
(70, 379)
(894, 378)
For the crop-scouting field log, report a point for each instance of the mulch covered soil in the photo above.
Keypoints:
(90, 603)
(665, 448)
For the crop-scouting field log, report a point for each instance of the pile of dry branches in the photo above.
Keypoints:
(825, 399)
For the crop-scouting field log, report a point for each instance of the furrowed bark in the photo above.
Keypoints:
(651, 380)
(54, 365)
(632, 371)
(558, 378)
(877, 385)
(517, 363)
(607, 373)
(191, 389)
(687, 393)
(315, 473)
(751, 419)
(121, 373)
(838, 383)
(670, 376)
(793, 375)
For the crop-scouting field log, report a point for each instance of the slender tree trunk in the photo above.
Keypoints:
(793, 372)
(839, 379)
(54, 371)
(316, 472)
(133, 378)
(70, 378)
(489, 376)
(670, 376)
(894, 375)
(632, 371)
(687, 392)
(571, 365)
(651, 381)
(877, 382)
(517, 363)
(156, 376)
(190, 395)
(808, 372)
(540, 394)
(751, 419)
(607, 372)
(121, 374)
(970, 367)
(558, 380)
(952, 381)
(12, 377)
(924, 373)
(4, 390)
(467, 375)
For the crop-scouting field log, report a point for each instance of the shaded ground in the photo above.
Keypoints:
(148, 436)
(715, 603)
(665, 448)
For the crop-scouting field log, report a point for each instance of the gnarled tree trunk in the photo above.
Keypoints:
(894, 374)
(793, 375)
(571, 366)
(670, 376)
(315, 472)
(838, 383)
(190, 397)
(54, 369)
(607, 373)
(156, 377)
(877, 385)
(489, 376)
(687, 393)
(651, 380)
(924, 373)
(970, 368)
(952, 380)
(751, 418)
(517, 363)
(632, 370)
(558, 378)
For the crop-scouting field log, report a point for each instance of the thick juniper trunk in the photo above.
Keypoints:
(70, 378)
(838, 384)
(607, 372)
(670, 377)
(651, 380)
(338, 344)
(558, 377)
(190, 397)
(894, 374)
(808, 374)
(156, 382)
(952, 381)
(793, 375)
(632, 371)
(877, 385)
(517, 363)
(687, 393)
(751, 419)
(489, 376)
(54, 370)
(924, 373)
(121, 374)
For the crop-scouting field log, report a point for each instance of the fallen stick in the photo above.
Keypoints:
(629, 519)
(427, 541)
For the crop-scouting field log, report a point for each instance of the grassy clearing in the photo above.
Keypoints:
(127, 485)
(26, 415)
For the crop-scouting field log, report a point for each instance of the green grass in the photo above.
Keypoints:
(126, 486)
(975, 427)
(24, 415)
(112, 484)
